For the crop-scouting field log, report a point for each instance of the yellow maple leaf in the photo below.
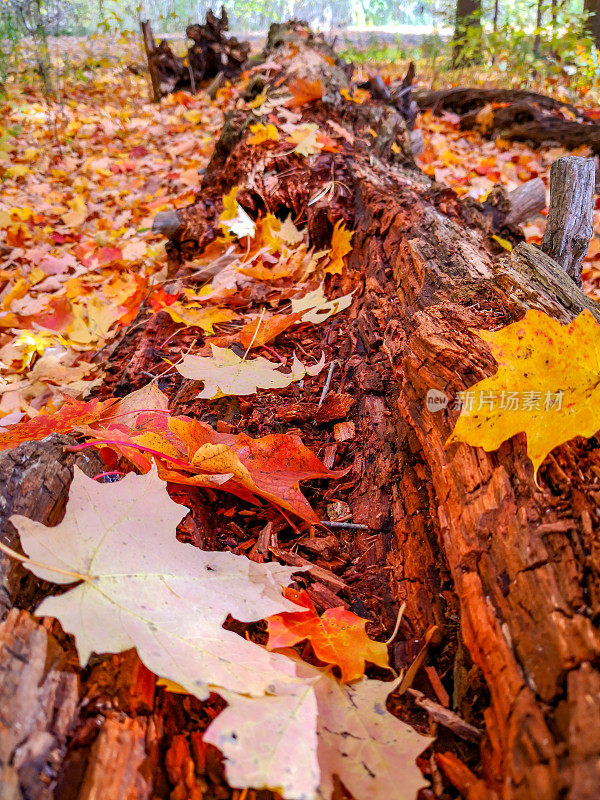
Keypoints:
(546, 386)
(32, 343)
(263, 133)
(357, 96)
(258, 101)
(194, 116)
(203, 318)
(340, 247)
(502, 242)
(234, 220)
(18, 171)
(78, 213)
(92, 321)
(305, 138)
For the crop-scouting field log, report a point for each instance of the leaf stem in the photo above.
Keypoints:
(26, 560)
(260, 319)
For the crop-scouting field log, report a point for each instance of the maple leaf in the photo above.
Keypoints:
(73, 412)
(139, 587)
(92, 321)
(142, 588)
(340, 246)
(226, 373)
(304, 92)
(337, 637)
(304, 137)
(203, 318)
(263, 133)
(32, 344)
(234, 219)
(78, 213)
(317, 308)
(546, 386)
(359, 96)
(289, 233)
(358, 740)
(260, 331)
(270, 467)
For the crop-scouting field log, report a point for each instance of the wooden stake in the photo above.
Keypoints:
(150, 47)
(569, 229)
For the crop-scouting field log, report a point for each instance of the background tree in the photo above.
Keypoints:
(592, 7)
(467, 32)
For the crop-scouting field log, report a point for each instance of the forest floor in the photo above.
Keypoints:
(82, 181)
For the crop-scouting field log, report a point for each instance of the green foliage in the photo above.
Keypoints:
(10, 36)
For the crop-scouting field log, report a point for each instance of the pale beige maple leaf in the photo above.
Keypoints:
(142, 588)
(77, 214)
(268, 743)
(226, 373)
(289, 233)
(317, 307)
(305, 138)
(134, 250)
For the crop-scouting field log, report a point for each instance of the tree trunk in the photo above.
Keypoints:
(467, 32)
(538, 24)
(592, 7)
(509, 573)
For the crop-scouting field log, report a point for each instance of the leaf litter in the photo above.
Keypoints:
(72, 282)
(138, 588)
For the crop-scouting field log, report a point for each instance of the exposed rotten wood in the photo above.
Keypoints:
(459, 518)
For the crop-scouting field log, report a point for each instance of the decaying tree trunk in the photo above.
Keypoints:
(516, 114)
(211, 54)
(508, 572)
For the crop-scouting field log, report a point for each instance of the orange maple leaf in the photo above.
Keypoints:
(304, 92)
(337, 637)
(190, 452)
(74, 412)
(340, 247)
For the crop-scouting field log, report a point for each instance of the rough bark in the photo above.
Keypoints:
(571, 215)
(508, 572)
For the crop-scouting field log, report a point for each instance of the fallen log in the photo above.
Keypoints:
(516, 115)
(462, 100)
(506, 571)
(448, 518)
